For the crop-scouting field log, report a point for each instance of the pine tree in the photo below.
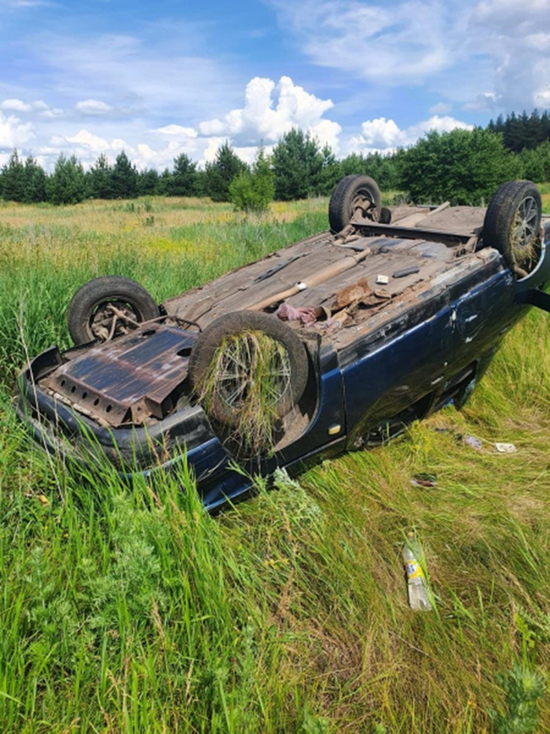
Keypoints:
(13, 179)
(148, 182)
(164, 182)
(297, 163)
(34, 182)
(124, 178)
(353, 163)
(99, 179)
(67, 184)
(219, 174)
(330, 173)
(184, 178)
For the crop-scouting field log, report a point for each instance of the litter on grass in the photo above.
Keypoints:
(417, 586)
(473, 442)
(505, 448)
(424, 480)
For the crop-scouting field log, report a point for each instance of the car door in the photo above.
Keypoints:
(481, 316)
(394, 368)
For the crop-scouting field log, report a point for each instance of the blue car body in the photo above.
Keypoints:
(410, 366)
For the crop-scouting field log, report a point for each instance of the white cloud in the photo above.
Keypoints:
(15, 105)
(87, 146)
(18, 105)
(439, 124)
(484, 102)
(517, 37)
(14, 133)
(381, 133)
(93, 107)
(384, 135)
(441, 108)
(270, 110)
(542, 97)
(175, 131)
(393, 45)
(512, 17)
(90, 141)
(482, 54)
(51, 113)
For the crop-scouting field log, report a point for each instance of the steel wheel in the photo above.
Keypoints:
(354, 196)
(524, 234)
(108, 307)
(112, 319)
(242, 363)
(362, 204)
(246, 365)
(512, 226)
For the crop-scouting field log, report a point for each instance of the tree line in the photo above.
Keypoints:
(297, 168)
(462, 165)
(522, 131)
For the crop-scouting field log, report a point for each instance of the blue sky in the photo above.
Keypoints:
(162, 78)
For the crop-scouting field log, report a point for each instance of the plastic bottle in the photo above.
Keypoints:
(416, 581)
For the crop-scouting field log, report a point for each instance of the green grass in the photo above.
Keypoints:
(130, 610)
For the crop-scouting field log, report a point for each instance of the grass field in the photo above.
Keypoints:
(128, 610)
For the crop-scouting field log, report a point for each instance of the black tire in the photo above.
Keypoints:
(84, 312)
(241, 323)
(512, 225)
(351, 193)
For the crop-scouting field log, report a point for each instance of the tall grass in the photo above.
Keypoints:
(127, 609)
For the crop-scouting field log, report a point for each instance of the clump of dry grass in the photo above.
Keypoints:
(247, 378)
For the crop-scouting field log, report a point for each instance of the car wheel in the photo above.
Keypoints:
(248, 362)
(512, 226)
(107, 307)
(354, 195)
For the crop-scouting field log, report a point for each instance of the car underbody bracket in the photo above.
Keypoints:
(535, 297)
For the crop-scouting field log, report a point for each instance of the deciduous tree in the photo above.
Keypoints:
(253, 191)
(463, 166)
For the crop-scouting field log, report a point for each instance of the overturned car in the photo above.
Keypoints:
(336, 342)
